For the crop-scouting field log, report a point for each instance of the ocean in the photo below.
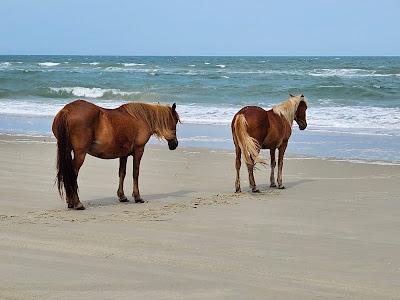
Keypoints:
(354, 102)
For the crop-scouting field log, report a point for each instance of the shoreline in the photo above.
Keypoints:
(26, 138)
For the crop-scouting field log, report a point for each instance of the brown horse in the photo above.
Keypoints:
(254, 128)
(82, 127)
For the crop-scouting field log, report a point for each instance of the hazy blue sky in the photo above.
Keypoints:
(208, 27)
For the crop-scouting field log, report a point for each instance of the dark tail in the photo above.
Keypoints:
(66, 176)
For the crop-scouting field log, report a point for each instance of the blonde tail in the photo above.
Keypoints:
(248, 145)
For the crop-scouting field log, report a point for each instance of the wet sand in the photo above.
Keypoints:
(334, 232)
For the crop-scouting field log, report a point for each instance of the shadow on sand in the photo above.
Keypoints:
(109, 201)
(288, 185)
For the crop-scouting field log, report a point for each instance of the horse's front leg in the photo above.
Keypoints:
(282, 150)
(137, 156)
(122, 173)
(273, 164)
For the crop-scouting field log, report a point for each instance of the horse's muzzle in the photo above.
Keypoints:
(302, 126)
(172, 144)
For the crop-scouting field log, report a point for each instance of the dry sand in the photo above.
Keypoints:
(333, 233)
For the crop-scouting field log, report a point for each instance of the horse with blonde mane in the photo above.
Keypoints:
(254, 128)
(84, 128)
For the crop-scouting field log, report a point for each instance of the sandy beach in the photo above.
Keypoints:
(334, 232)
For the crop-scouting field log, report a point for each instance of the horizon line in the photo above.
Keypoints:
(168, 55)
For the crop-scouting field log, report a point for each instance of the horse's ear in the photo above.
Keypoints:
(173, 107)
(302, 96)
(291, 95)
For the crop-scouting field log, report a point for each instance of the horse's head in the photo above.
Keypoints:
(300, 116)
(173, 141)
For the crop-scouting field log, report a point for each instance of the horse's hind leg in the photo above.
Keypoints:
(273, 164)
(122, 173)
(250, 169)
(79, 157)
(237, 165)
(282, 150)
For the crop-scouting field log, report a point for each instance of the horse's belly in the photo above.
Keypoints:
(108, 150)
(271, 142)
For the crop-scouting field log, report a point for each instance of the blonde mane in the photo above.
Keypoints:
(288, 108)
(157, 116)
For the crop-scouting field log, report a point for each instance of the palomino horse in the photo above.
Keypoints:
(82, 127)
(254, 128)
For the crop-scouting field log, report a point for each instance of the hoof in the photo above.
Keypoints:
(238, 191)
(79, 206)
(272, 185)
(282, 187)
(255, 191)
(140, 200)
(123, 199)
(70, 205)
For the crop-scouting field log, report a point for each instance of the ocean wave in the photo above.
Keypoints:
(5, 64)
(356, 119)
(95, 63)
(271, 72)
(221, 66)
(90, 92)
(132, 64)
(347, 73)
(137, 70)
(48, 64)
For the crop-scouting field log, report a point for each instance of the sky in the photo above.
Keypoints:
(202, 27)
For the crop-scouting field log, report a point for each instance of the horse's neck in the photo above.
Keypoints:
(279, 115)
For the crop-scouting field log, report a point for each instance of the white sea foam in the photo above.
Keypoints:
(48, 64)
(91, 92)
(133, 64)
(5, 64)
(206, 63)
(221, 66)
(191, 65)
(127, 69)
(204, 138)
(335, 119)
(347, 73)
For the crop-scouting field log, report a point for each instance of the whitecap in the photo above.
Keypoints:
(206, 63)
(133, 64)
(221, 66)
(346, 73)
(91, 92)
(5, 64)
(48, 64)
